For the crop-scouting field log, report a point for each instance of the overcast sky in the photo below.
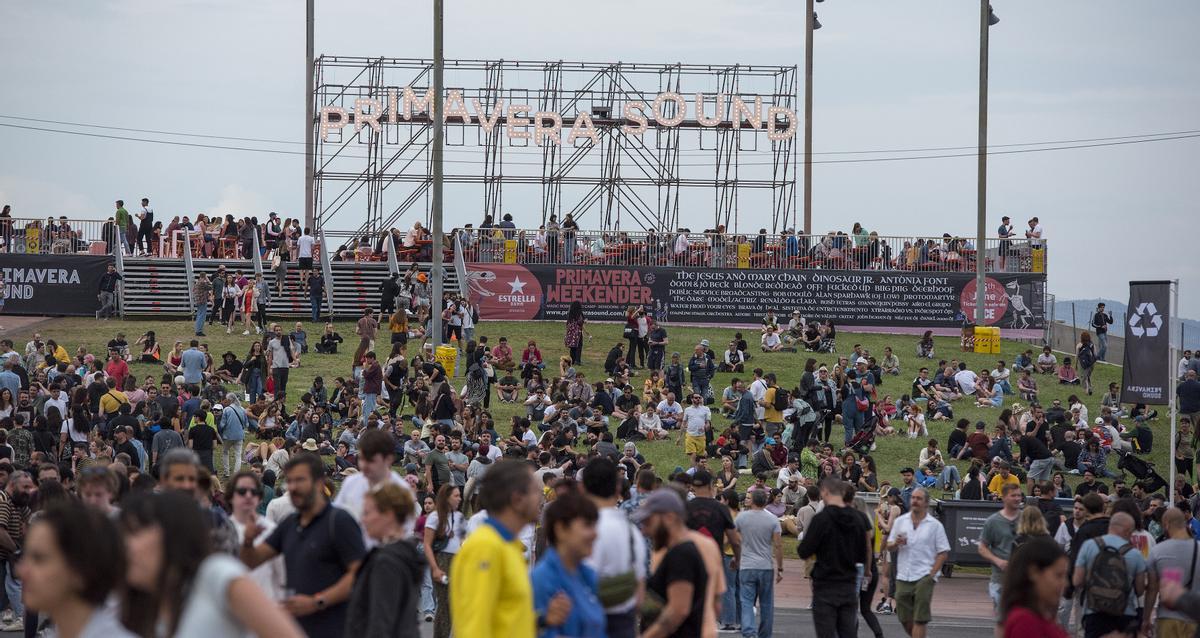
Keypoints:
(889, 75)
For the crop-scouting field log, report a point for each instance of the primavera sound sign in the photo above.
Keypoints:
(521, 122)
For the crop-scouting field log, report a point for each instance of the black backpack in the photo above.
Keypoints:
(783, 400)
(1087, 356)
(1107, 588)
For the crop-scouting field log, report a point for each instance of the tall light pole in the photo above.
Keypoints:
(309, 134)
(435, 218)
(986, 20)
(810, 24)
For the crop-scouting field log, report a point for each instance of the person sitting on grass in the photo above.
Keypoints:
(772, 343)
(508, 389)
(1027, 386)
(990, 394)
(1067, 374)
(1047, 362)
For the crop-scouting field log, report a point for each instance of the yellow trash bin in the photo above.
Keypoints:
(448, 357)
(995, 340)
(983, 339)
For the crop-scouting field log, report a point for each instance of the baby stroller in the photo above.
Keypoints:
(1142, 470)
(864, 438)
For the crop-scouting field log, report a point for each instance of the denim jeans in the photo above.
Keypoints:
(427, 604)
(852, 422)
(12, 592)
(730, 602)
(757, 585)
(368, 405)
(108, 304)
(835, 609)
(1102, 347)
(315, 302)
(254, 385)
(201, 314)
(950, 476)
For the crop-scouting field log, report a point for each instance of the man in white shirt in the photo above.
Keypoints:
(922, 548)
(1000, 375)
(376, 452)
(771, 341)
(698, 420)
(1034, 234)
(669, 411)
(304, 251)
(965, 378)
(618, 549)
(758, 390)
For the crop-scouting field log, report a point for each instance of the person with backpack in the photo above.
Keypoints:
(1111, 575)
(774, 402)
(1086, 358)
(854, 406)
(1172, 560)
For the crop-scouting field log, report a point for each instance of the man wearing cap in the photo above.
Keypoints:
(762, 462)
(792, 469)
(697, 420)
(681, 580)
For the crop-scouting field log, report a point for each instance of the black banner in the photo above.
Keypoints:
(703, 295)
(52, 284)
(1146, 375)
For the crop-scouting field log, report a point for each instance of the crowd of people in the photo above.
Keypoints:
(558, 524)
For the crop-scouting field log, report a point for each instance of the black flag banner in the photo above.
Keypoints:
(1146, 376)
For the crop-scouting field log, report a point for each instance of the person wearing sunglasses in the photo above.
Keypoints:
(244, 493)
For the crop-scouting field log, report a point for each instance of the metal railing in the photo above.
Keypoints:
(579, 247)
(757, 251)
(53, 236)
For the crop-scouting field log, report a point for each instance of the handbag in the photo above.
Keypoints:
(618, 588)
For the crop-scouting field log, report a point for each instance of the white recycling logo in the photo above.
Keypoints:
(1146, 321)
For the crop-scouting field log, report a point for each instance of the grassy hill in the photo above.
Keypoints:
(892, 453)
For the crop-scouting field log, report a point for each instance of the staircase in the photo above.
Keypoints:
(160, 286)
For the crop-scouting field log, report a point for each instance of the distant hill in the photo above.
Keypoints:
(1083, 316)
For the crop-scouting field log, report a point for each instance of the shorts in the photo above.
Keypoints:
(306, 263)
(693, 444)
(1041, 470)
(912, 600)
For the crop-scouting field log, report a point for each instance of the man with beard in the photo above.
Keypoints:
(437, 465)
(14, 519)
(681, 580)
(320, 555)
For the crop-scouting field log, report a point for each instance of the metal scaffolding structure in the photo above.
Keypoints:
(689, 175)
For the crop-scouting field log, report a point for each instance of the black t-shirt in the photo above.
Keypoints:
(1033, 448)
(1070, 450)
(957, 437)
(317, 556)
(682, 562)
(128, 448)
(627, 402)
(708, 516)
(202, 437)
(234, 368)
(657, 334)
(920, 384)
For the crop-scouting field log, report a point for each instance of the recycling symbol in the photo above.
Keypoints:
(1146, 321)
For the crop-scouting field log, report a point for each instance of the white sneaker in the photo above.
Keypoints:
(229, 331)
(16, 625)
(245, 332)
(257, 330)
(7, 616)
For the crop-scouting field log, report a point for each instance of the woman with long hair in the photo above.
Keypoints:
(254, 371)
(573, 338)
(230, 293)
(150, 348)
(1033, 586)
(443, 407)
(178, 586)
(244, 495)
(890, 507)
(64, 578)
(445, 530)
(7, 403)
(249, 305)
(1085, 356)
(383, 600)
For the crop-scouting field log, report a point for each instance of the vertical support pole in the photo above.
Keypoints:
(309, 113)
(1171, 359)
(436, 213)
(808, 108)
(981, 203)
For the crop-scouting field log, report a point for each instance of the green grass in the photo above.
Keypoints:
(892, 453)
